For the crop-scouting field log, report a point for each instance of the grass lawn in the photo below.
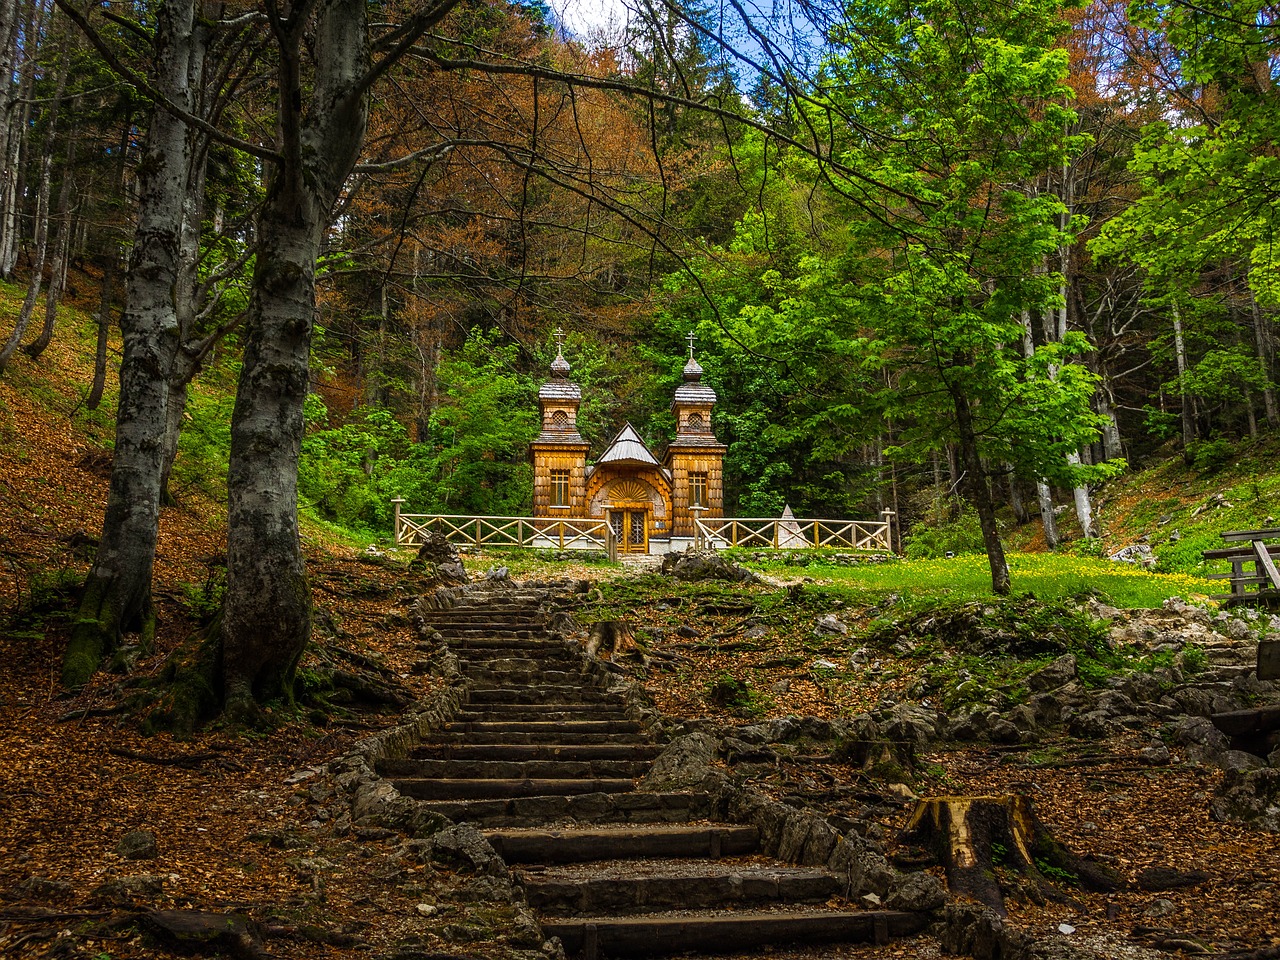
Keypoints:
(967, 577)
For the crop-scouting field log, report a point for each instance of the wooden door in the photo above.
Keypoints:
(630, 530)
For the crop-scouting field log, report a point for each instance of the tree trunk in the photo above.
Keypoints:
(36, 279)
(1042, 488)
(104, 334)
(16, 60)
(1084, 509)
(9, 127)
(979, 839)
(979, 492)
(1263, 343)
(1019, 508)
(1044, 493)
(266, 622)
(58, 272)
(1112, 447)
(117, 596)
(1188, 408)
(111, 263)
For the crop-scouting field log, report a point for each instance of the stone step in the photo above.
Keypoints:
(496, 712)
(509, 605)
(723, 932)
(520, 752)
(487, 789)
(475, 665)
(479, 672)
(636, 886)
(577, 844)
(502, 645)
(612, 808)
(552, 693)
(557, 769)
(560, 727)
(551, 737)
(487, 631)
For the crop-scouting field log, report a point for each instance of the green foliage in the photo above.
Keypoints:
(1210, 456)
(475, 460)
(204, 443)
(961, 533)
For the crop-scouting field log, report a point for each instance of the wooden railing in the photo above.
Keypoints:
(775, 534)
(1254, 576)
(589, 533)
(570, 533)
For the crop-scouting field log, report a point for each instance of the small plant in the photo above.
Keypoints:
(999, 854)
(204, 600)
(734, 694)
(1193, 660)
(1057, 874)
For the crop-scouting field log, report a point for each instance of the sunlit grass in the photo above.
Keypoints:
(1047, 576)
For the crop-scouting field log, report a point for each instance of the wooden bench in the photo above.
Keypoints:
(1254, 576)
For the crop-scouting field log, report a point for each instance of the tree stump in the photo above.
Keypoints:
(979, 840)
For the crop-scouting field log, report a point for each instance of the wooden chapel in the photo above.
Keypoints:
(649, 503)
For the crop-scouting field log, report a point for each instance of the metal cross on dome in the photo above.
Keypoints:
(690, 337)
(559, 335)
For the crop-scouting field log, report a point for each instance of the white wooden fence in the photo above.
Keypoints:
(773, 534)
(570, 533)
(588, 533)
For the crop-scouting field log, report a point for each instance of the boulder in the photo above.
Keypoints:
(917, 891)
(1053, 675)
(1251, 798)
(439, 557)
(1094, 725)
(685, 763)
(831, 626)
(695, 565)
(1204, 743)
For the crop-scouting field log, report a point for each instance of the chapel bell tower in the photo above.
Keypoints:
(559, 453)
(695, 458)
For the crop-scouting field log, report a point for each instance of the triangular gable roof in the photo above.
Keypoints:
(627, 447)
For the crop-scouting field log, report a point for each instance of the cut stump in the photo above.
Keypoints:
(979, 840)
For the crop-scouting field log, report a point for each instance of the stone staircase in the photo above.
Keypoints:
(546, 763)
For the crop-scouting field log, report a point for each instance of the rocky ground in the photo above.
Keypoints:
(1125, 770)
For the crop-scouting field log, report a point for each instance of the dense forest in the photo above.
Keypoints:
(954, 255)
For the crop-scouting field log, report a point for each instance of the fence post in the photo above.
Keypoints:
(395, 522)
(817, 534)
(888, 529)
(477, 532)
(561, 536)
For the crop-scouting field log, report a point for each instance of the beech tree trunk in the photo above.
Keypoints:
(1084, 508)
(58, 272)
(1019, 508)
(104, 334)
(1188, 403)
(266, 622)
(1044, 493)
(117, 595)
(1264, 345)
(34, 283)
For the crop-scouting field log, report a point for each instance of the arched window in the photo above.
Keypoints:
(559, 420)
(696, 424)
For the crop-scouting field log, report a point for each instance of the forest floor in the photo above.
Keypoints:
(238, 818)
